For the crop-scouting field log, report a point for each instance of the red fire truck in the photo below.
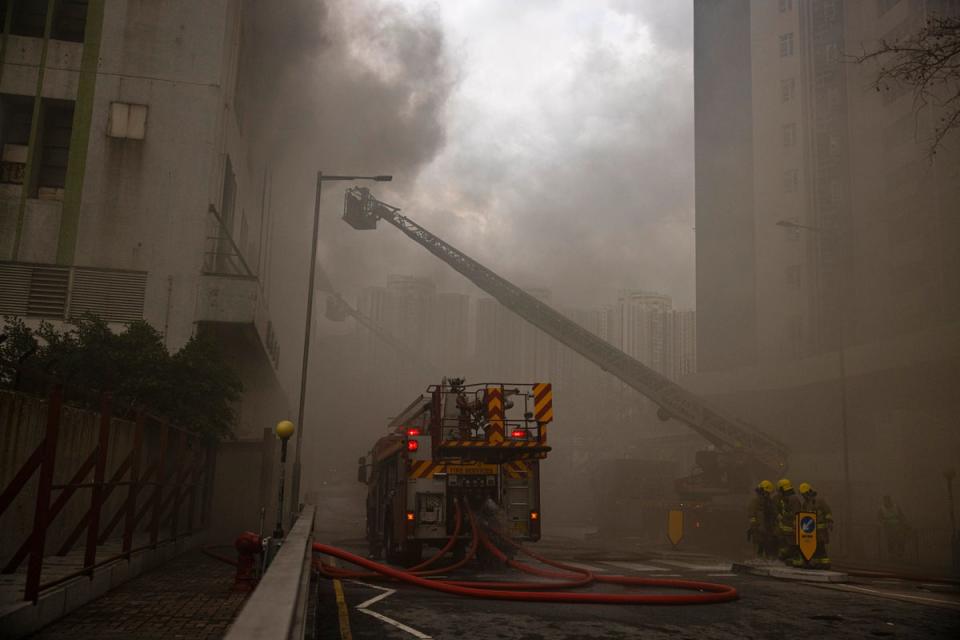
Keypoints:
(457, 442)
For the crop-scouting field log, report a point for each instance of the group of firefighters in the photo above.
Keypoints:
(773, 513)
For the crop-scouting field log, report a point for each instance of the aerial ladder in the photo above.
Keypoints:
(742, 453)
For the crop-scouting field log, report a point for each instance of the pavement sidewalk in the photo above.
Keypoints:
(188, 597)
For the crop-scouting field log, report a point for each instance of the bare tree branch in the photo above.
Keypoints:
(929, 63)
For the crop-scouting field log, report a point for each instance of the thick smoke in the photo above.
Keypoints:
(343, 88)
(581, 181)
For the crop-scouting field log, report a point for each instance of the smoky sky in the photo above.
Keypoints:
(552, 141)
(567, 152)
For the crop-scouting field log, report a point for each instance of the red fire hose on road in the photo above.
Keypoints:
(572, 577)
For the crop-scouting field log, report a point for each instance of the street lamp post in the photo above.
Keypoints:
(844, 430)
(295, 488)
(284, 430)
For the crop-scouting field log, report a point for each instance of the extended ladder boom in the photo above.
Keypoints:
(724, 433)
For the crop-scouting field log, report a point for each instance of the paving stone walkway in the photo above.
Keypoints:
(188, 597)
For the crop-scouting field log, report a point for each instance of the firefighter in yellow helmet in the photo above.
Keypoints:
(811, 502)
(762, 530)
(788, 506)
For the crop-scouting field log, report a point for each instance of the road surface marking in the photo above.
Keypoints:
(667, 575)
(722, 575)
(697, 567)
(891, 594)
(634, 566)
(362, 608)
(342, 614)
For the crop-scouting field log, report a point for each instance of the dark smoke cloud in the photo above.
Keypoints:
(345, 88)
(595, 196)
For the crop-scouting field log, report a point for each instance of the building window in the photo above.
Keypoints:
(831, 52)
(786, 6)
(790, 134)
(833, 142)
(786, 45)
(69, 20)
(793, 276)
(788, 88)
(790, 180)
(829, 10)
(29, 18)
(56, 130)
(836, 192)
(16, 116)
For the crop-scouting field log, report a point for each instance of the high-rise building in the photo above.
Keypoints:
(819, 210)
(681, 343)
(450, 335)
(726, 260)
(828, 248)
(410, 311)
(132, 186)
(644, 323)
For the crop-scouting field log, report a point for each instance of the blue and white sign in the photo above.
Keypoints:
(806, 530)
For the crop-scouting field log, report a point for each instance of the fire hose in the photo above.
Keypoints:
(569, 577)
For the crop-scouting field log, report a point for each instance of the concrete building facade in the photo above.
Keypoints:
(828, 257)
(132, 186)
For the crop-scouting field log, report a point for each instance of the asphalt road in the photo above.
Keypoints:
(767, 608)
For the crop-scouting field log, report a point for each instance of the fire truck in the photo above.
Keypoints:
(458, 442)
(741, 454)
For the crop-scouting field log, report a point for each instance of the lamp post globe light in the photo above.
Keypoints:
(321, 178)
(284, 431)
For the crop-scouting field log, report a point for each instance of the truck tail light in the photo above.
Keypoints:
(520, 434)
(412, 445)
(534, 525)
(413, 431)
(410, 522)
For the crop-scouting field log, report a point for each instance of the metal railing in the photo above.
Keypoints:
(176, 474)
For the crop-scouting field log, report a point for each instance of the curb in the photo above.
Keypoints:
(789, 573)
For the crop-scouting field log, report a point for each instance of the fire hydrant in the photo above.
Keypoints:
(249, 546)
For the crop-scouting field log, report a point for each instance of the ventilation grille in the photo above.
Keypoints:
(14, 288)
(49, 291)
(112, 295)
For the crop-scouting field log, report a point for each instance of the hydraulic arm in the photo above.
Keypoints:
(743, 451)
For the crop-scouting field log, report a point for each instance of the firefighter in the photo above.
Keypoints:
(788, 506)
(894, 526)
(813, 503)
(763, 521)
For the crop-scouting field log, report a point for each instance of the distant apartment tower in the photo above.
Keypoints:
(410, 313)
(789, 131)
(507, 345)
(450, 331)
(434, 326)
(644, 320)
(681, 343)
